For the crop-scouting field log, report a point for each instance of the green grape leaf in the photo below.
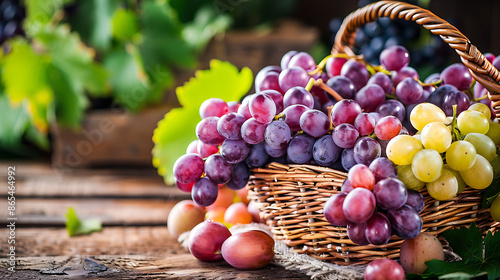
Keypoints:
(68, 54)
(491, 193)
(177, 129)
(162, 41)
(132, 88)
(25, 81)
(70, 102)
(92, 20)
(41, 12)
(205, 25)
(468, 244)
(124, 24)
(222, 80)
(13, 122)
(75, 226)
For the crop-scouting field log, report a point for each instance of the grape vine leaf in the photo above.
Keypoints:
(22, 64)
(127, 78)
(75, 226)
(69, 103)
(204, 26)
(124, 24)
(177, 129)
(491, 192)
(13, 123)
(92, 20)
(68, 54)
(468, 244)
(40, 12)
(162, 42)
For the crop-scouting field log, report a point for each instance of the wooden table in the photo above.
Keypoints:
(133, 205)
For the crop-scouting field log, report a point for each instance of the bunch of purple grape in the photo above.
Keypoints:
(280, 123)
(296, 118)
(374, 204)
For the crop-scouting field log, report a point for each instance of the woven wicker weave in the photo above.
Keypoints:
(291, 197)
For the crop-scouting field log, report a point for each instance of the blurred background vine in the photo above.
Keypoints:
(61, 58)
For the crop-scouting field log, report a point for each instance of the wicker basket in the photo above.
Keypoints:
(291, 197)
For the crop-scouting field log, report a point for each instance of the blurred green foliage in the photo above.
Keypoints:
(74, 52)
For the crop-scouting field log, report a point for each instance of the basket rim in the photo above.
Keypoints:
(480, 68)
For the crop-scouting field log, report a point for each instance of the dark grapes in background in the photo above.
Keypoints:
(428, 52)
(12, 13)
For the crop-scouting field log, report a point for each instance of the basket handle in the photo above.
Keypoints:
(480, 68)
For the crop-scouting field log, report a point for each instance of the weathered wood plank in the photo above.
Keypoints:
(147, 240)
(47, 169)
(39, 180)
(182, 266)
(120, 252)
(51, 212)
(96, 186)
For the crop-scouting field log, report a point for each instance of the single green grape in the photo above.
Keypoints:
(480, 175)
(483, 108)
(495, 209)
(461, 155)
(461, 183)
(472, 121)
(483, 144)
(405, 175)
(494, 132)
(425, 113)
(427, 165)
(436, 136)
(445, 187)
(402, 148)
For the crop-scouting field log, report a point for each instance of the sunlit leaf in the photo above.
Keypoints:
(124, 24)
(223, 80)
(41, 12)
(25, 81)
(75, 226)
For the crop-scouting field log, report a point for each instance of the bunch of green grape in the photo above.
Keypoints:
(447, 154)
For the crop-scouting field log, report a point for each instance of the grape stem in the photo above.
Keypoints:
(279, 116)
(310, 84)
(319, 83)
(455, 132)
(344, 55)
(438, 82)
(480, 98)
(320, 66)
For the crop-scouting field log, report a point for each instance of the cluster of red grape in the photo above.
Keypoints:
(374, 204)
